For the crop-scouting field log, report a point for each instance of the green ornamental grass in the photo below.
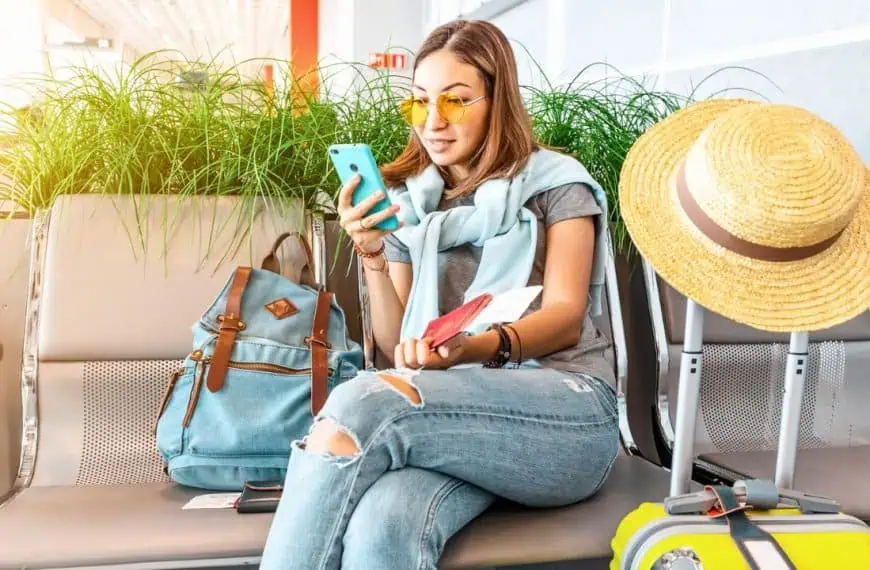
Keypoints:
(142, 130)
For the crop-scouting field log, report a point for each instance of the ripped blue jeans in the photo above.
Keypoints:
(425, 467)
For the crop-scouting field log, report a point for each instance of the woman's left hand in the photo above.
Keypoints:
(417, 353)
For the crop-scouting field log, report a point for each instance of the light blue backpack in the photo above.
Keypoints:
(265, 355)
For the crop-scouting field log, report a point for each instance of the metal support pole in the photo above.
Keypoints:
(687, 399)
(789, 428)
(316, 230)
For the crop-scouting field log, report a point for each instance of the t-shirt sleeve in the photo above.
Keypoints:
(567, 202)
(395, 251)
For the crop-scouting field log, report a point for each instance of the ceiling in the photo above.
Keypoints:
(232, 30)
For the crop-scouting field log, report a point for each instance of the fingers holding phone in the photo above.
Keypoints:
(364, 208)
(359, 221)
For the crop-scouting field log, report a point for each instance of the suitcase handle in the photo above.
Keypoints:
(688, 394)
(755, 493)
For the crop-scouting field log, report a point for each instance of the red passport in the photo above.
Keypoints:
(453, 323)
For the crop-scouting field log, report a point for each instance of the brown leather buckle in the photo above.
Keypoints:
(230, 322)
(309, 340)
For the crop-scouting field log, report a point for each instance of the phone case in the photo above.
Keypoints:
(352, 159)
(453, 323)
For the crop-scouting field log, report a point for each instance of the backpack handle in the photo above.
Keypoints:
(270, 261)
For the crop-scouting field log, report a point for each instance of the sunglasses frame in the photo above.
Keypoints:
(430, 104)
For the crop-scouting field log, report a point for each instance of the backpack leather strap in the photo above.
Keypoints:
(230, 324)
(318, 345)
(271, 263)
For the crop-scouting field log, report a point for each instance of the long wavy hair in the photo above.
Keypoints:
(509, 140)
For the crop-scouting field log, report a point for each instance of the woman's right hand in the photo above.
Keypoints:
(355, 221)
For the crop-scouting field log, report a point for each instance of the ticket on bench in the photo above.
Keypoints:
(212, 501)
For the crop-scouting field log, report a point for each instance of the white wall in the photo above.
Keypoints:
(352, 29)
(26, 32)
(814, 54)
(21, 40)
(62, 57)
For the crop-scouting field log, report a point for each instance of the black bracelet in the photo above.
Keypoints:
(519, 344)
(503, 353)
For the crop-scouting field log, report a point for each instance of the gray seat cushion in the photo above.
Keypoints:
(836, 472)
(507, 536)
(51, 527)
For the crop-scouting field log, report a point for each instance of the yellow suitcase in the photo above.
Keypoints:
(744, 527)
(700, 536)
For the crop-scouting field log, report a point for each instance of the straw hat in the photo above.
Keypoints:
(759, 212)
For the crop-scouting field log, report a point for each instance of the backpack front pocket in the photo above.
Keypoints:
(168, 429)
(260, 409)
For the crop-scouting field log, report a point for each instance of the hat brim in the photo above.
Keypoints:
(811, 294)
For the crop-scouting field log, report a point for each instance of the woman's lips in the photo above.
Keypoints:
(439, 145)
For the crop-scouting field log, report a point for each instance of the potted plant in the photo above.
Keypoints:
(189, 132)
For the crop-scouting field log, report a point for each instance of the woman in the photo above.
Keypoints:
(399, 461)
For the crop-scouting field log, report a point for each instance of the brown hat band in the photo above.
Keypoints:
(740, 246)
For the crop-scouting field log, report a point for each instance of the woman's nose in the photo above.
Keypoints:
(434, 122)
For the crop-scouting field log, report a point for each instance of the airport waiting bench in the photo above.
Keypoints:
(112, 325)
(112, 309)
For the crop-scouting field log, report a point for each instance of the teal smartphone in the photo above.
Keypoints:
(352, 159)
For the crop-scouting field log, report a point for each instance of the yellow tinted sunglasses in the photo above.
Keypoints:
(450, 107)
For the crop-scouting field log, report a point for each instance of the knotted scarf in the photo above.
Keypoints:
(498, 222)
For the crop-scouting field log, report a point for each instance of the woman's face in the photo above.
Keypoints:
(451, 144)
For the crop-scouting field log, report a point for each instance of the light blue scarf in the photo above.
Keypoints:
(498, 221)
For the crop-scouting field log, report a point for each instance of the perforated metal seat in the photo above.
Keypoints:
(741, 392)
(111, 326)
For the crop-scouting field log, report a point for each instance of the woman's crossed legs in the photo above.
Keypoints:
(539, 437)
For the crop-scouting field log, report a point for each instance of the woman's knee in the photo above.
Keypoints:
(332, 438)
(370, 395)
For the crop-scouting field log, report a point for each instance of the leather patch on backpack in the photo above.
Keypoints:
(282, 308)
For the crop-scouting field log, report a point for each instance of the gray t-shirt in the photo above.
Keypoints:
(458, 266)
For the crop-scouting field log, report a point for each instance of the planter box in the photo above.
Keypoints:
(126, 277)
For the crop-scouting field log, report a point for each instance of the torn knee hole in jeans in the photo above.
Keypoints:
(331, 440)
(400, 381)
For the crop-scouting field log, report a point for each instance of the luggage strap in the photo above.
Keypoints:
(759, 549)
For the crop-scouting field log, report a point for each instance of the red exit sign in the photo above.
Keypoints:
(387, 60)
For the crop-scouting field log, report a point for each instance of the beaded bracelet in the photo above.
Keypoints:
(503, 354)
(369, 254)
